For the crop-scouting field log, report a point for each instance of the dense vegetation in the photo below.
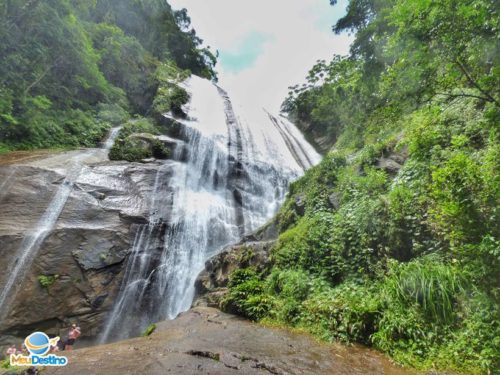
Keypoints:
(137, 138)
(71, 69)
(393, 240)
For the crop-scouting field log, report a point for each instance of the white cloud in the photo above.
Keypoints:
(300, 34)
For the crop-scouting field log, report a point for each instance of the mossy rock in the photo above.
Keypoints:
(139, 146)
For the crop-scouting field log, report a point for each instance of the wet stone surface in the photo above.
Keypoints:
(83, 252)
(207, 341)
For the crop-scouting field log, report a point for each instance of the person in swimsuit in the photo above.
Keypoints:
(73, 334)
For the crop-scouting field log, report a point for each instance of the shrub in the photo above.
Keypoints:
(149, 330)
(456, 187)
(47, 280)
(129, 148)
(347, 313)
(246, 295)
(404, 333)
(432, 285)
(159, 150)
(425, 312)
(477, 341)
(170, 97)
(293, 284)
(138, 125)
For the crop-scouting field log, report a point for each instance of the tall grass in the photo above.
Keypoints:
(429, 283)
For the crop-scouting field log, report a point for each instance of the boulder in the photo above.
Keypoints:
(75, 273)
(334, 200)
(393, 162)
(389, 165)
(300, 204)
(211, 284)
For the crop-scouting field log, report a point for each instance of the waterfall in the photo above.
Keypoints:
(298, 147)
(33, 241)
(7, 183)
(110, 140)
(229, 178)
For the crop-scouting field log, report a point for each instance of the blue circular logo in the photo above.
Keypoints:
(38, 343)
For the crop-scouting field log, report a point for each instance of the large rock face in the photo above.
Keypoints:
(212, 284)
(82, 255)
(206, 341)
(70, 220)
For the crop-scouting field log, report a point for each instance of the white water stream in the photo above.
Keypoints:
(231, 175)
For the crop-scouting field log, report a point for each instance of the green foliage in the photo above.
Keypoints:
(167, 34)
(63, 59)
(425, 240)
(136, 142)
(112, 114)
(246, 296)
(308, 245)
(327, 109)
(423, 292)
(313, 190)
(477, 342)
(47, 280)
(405, 53)
(393, 239)
(347, 313)
(456, 187)
(138, 125)
(149, 330)
(428, 283)
(170, 97)
(5, 364)
(125, 63)
(159, 150)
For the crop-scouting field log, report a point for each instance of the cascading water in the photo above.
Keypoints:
(229, 178)
(7, 183)
(294, 142)
(33, 241)
(113, 133)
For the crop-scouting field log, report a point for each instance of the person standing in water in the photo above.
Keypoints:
(73, 334)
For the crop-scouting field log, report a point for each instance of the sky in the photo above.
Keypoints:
(265, 46)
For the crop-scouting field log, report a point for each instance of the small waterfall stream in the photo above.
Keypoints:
(9, 180)
(33, 240)
(229, 178)
(296, 145)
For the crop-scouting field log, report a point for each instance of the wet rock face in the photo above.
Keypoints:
(207, 341)
(100, 252)
(78, 267)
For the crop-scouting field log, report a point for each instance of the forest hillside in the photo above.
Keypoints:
(393, 240)
(72, 69)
